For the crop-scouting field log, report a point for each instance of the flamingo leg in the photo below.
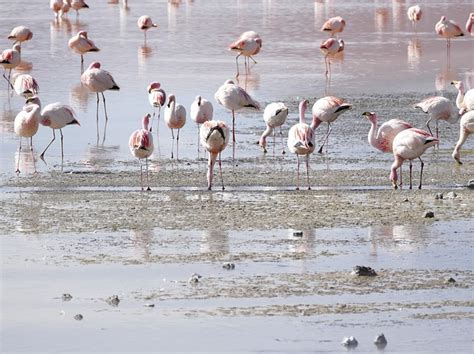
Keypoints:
(147, 177)
(198, 140)
(410, 175)
(8, 80)
(307, 171)
(274, 142)
(177, 146)
(401, 176)
(141, 173)
(106, 117)
(97, 117)
(32, 154)
(325, 141)
(42, 154)
(326, 65)
(252, 59)
(19, 155)
(298, 172)
(62, 149)
(172, 144)
(210, 170)
(220, 171)
(282, 143)
(437, 132)
(237, 63)
(428, 125)
(421, 172)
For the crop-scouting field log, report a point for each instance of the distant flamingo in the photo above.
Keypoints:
(466, 128)
(175, 118)
(334, 25)
(141, 146)
(327, 109)
(274, 115)
(9, 59)
(25, 126)
(438, 108)
(99, 80)
(201, 111)
(414, 14)
(249, 43)
(464, 99)
(470, 24)
(408, 145)
(329, 47)
(301, 141)
(79, 4)
(157, 99)
(25, 85)
(145, 23)
(81, 44)
(59, 7)
(20, 34)
(214, 136)
(448, 29)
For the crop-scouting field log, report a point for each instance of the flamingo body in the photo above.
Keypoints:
(81, 44)
(437, 108)
(25, 85)
(97, 79)
(470, 24)
(175, 118)
(448, 29)
(141, 145)
(78, 5)
(201, 110)
(334, 25)
(466, 128)
(464, 99)
(27, 121)
(248, 44)
(57, 116)
(274, 115)
(145, 23)
(156, 95)
(414, 14)
(10, 58)
(20, 34)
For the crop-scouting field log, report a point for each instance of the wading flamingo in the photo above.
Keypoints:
(466, 128)
(25, 126)
(201, 111)
(60, 7)
(470, 24)
(437, 108)
(464, 99)
(141, 146)
(448, 29)
(410, 144)
(20, 34)
(81, 44)
(214, 136)
(175, 118)
(414, 14)
(145, 23)
(334, 25)
(98, 80)
(274, 115)
(301, 142)
(249, 43)
(79, 4)
(9, 59)
(330, 47)
(157, 99)
(327, 109)
(25, 85)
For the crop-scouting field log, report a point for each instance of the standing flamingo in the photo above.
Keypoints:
(157, 99)
(464, 99)
(408, 145)
(301, 141)
(448, 29)
(470, 24)
(214, 136)
(249, 43)
(175, 118)
(141, 146)
(145, 23)
(9, 59)
(99, 80)
(59, 7)
(201, 111)
(334, 25)
(20, 34)
(274, 115)
(25, 85)
(438, 108)
(327, 109)
(330, 47)
(414, 14)
(79, 4)
(81, 44)
(25, 126)
(466, 128)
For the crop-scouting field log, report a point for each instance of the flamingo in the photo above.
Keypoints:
(327, 109)
(145, 23)
(25, 85)
(201, 111)
(20, 34)
(25, 126)
(470, 24)
(59, 7)
(81, 44)
(329, 47)
(408, 145)
(214, 136)
(9, 59)
(466, 127)
(99, 80)
(175, 118)
(249, 43)
(157, 99)
(301, 141)
(438, 108)
(234, 98)
(274, 115)
(141, 146)
(334, 25)
(448, 29)
(464, 99)
(79, 4)
(414, 14)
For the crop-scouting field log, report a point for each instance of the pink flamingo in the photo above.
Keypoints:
(438, 108)
(466, 128)
(175, 118)
(141, 146)
(157, 99)
(301, 141)
(79, 4)
(201, 111)
(145, 23)
(464, 99)
(408, 145)
(448, 29)
(249, 43)
(414, 14)
(327, 109)
(81, 44)
(214, 136)
(25, 126)
(20, 34)
(334, 25)
(98, 80)
(10, 59)
(59, 7)
(329, 47)
(470, 24)
(25, 85)
(274, 115)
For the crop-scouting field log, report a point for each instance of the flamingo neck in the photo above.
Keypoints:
(315, 123)
(302, 113)
(372, 137)
(263, 138)
(460, 97)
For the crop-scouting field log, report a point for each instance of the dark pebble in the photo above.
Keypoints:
(380, 341)
(298, 233)
(78, 317)
(428, 214)
(113, 300)
(451, 280)
(228, 266)
(67, 297)
(363, 271)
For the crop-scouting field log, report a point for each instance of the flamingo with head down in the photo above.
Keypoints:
(248, 44)
(141, 146)
(214, 136)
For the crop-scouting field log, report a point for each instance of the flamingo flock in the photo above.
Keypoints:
(395, 136)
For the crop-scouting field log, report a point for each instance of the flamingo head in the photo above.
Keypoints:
(171, 98)
(94, 65)
(442, 19)
(82, 34)
(370, 116)
(458, 84)
(146, 121)
(341, 45)
(33, 100)
(153, 86)
(198, 99)
(229, 82)
(259, 42)
(17, 47)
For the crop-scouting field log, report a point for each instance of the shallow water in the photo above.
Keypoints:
(383, 60)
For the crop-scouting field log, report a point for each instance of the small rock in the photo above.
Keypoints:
(470, 184)
(363, 271)
(195, 278)
(349, 342)
(405, 200)
(113, 300)
(451, 195)
(228, 266)
(428, 214)
(439, 196)
(149, 305)
(298, 234)
(380, 341)
(67, 297)
(451, 280)
(78, 317)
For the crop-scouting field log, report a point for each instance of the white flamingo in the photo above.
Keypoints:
(414, 14)
(466, 128)
(438, 108)
(274, 115)
(20, 34)
(464, 99)
(175, 118)
(248, 44)
(25, 85)
(10, 59)
(141, 146)
(157, 99)
(201, 111)
(334, 25)
(25, 126)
